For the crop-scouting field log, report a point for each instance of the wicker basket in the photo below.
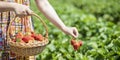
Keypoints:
(27, 49)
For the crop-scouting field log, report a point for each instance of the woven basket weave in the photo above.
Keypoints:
(27, 49)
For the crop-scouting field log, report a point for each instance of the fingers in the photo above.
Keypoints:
(24, 13)
(23, 10)
(21, 14)
(75, 32)
(71, 31)
(29, 12)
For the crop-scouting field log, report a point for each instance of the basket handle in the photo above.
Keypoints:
(34, 14)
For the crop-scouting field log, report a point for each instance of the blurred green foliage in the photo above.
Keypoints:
(98, 24)
(105, 8)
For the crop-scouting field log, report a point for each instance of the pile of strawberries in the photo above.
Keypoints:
(76, 44)
(27, 37)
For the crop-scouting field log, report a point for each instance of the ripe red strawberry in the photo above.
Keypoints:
(38, 37)
(80, 42)
(33, 34)
(19, 35)
(14, 40)
(73, 42)
(76, 46)
(27, 38)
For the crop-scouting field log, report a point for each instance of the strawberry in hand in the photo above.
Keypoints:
(76, 44)
(80, 42)
(73, 42)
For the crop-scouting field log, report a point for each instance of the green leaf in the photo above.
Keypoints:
(18, 40)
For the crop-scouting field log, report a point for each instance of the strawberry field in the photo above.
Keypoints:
(98, 24)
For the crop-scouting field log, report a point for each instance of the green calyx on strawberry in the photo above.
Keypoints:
(18, 40)
(76, 44)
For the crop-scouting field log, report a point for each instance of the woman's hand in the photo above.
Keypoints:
(22, 10)
(71, 31)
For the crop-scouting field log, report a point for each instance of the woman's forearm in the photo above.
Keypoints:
(6, 6)
(50, 13)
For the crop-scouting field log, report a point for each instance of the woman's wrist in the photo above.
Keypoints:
(63, 28)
